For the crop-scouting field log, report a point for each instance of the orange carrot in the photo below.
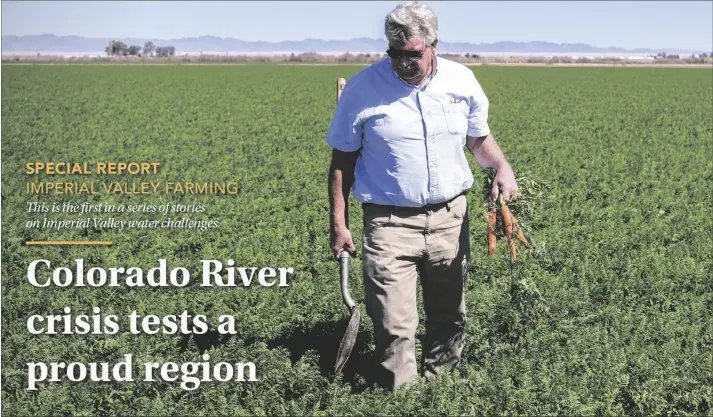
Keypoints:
(507, 221)
(519, 233)
(491, 230)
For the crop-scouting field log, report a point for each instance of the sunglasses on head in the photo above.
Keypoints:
(405, 54)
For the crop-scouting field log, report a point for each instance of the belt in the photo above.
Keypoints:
(422, 209)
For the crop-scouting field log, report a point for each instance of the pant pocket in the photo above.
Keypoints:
(375, 216)
(459, 207)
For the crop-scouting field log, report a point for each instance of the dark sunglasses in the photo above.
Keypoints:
(405, 54)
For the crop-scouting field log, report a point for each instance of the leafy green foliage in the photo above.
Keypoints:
(607, 314)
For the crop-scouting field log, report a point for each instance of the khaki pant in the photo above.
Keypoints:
(399, 245)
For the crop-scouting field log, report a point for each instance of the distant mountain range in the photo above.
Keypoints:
(52, 43)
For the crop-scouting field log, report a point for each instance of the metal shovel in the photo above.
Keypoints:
(349, 338)
(347, 343)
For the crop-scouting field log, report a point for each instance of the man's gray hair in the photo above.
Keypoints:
(410, 19)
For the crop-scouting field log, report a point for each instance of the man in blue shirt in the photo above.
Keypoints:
(398, 136)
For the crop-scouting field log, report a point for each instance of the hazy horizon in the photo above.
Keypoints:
(362, 37)
(628, 25)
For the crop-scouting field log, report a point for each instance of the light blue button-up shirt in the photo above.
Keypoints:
(410, 139)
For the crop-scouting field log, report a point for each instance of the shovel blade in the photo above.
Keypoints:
(348, 340)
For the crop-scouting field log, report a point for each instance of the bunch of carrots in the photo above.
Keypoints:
(511, 228)
(500, 218)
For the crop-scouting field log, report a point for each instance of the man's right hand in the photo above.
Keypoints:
(340, 241)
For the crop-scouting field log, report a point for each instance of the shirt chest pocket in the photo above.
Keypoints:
(456, 118)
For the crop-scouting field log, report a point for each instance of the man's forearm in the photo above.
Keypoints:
(486, 151)
(341, 177)
(338, 209)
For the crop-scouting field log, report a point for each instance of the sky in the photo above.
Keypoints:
(634, 24)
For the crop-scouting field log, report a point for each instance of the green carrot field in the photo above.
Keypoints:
(609, 313)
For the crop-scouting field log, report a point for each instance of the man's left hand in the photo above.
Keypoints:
(504, 182)
(488, 154)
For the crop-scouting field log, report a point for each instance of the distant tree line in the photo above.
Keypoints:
(664, 55)
(118, 48)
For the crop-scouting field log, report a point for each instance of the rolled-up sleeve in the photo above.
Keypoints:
(345, 130)
(478, 115)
